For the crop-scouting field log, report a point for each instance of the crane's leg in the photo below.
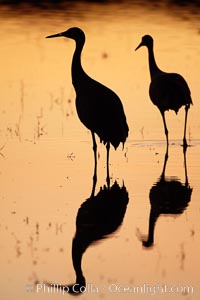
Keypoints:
(165, 126)
(94, 183)
(95, 158)
(107, 164)
(165, 163)
(184, 136)
(185, 167)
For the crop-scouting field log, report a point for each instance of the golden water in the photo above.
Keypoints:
(47, 161)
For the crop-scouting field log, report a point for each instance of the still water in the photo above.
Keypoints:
(138, 240)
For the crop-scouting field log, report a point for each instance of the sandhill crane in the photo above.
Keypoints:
(167, 90)
(98, 107)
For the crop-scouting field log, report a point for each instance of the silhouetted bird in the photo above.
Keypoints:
(167, 90)
(98, 217)
(167, 196)
(98, 107)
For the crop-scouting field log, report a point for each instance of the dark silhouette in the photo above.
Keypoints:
(97, 217)
(167, 90)
(167, 196)
(98, 107)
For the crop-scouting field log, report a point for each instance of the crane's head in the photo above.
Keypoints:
(147, 41)
(74, 33)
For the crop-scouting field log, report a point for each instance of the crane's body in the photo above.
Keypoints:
(172, 89)
(168, 91)
(100, 112)
(98, 107)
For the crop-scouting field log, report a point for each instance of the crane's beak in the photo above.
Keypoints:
(55, 35)
(140, 45)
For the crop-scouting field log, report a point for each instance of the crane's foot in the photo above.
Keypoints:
(185, 145)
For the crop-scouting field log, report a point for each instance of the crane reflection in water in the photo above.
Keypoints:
(98, 217)
(168, 196)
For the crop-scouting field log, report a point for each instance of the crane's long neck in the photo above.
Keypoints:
(153, 68)
(77, 71)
